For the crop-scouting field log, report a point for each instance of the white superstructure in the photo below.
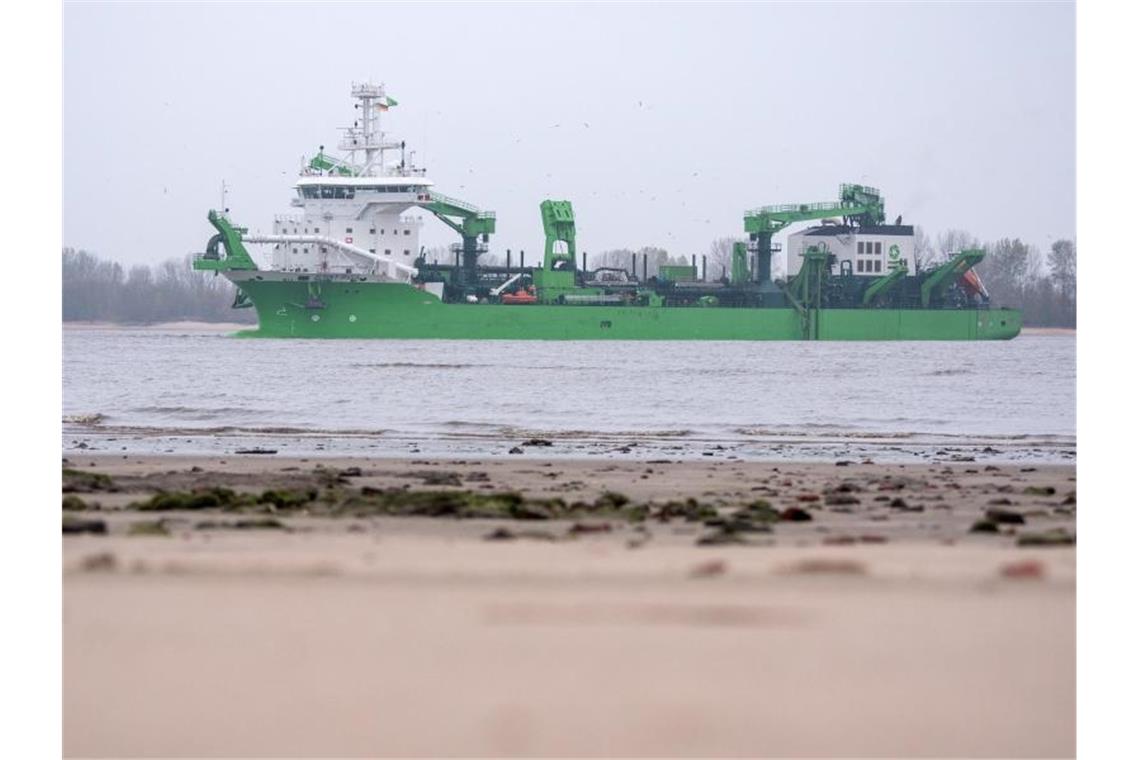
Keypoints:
(868, 251)
(352, 213)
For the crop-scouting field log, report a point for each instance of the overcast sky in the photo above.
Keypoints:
(662, 123)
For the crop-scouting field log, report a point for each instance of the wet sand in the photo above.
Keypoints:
(881, 626)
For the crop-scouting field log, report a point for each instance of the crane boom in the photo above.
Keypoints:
(468, 221)
(857, 205)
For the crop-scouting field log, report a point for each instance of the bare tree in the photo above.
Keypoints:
(951, 242)
(720, 257)
(924, 253)
(1063, 269)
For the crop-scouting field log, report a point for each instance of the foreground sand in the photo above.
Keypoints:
(869, 630)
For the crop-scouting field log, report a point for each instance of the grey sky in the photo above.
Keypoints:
(963, 114)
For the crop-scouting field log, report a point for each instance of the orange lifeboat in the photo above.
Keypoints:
(520, 296)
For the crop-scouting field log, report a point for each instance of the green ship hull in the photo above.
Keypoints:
(349, 309)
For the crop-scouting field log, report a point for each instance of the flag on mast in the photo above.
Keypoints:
(385, 103)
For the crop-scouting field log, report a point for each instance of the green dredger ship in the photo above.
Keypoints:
(344, 268)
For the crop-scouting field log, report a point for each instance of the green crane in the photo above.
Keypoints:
(557, 276)
(858, 204)
(937, 281)
(471, 224)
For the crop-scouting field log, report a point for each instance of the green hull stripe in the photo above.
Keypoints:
(396, 310)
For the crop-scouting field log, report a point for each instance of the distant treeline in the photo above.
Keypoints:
(96, 290)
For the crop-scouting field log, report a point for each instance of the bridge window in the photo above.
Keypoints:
(311, 191)
(326, 192)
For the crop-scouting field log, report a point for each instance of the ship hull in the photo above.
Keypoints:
(347, 309)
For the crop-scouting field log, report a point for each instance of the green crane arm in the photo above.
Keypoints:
(558, 224)
(882, 285)
(461, 216)
(940, 278)
(325, 163)
(229, 238)
(856, 202)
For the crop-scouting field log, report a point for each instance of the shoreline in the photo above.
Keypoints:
(610, 607)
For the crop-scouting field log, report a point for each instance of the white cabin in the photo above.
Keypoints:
(868, 251)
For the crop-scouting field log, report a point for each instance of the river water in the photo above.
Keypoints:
(194, 390)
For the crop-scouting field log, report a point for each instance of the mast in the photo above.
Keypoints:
(365, 134)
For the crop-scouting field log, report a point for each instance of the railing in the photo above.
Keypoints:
(441, 198)
(797, 207)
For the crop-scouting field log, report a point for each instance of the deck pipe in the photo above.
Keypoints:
(704, 268)
(645, 266)
(508, 260)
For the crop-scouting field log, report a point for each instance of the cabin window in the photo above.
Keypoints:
(407, 252)
(316, 229)
(372, 250)
(372, 231)
(387, 251)
(407, 232)
(348, 230)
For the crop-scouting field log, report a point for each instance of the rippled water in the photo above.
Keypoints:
(190, 390)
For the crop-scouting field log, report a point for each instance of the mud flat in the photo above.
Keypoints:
(256, 605)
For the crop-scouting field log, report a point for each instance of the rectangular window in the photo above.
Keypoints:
(407, 232)
(316, 229)
(407, 252)
(387, 251)
(372, 231)
(859, 264)
(348, 230)
(878, 265)
(372, 250)
(860, 246)
(878, 248)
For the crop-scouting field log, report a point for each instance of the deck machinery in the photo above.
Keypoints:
(822, 279)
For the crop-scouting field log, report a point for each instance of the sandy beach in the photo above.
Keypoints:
(257, 605)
